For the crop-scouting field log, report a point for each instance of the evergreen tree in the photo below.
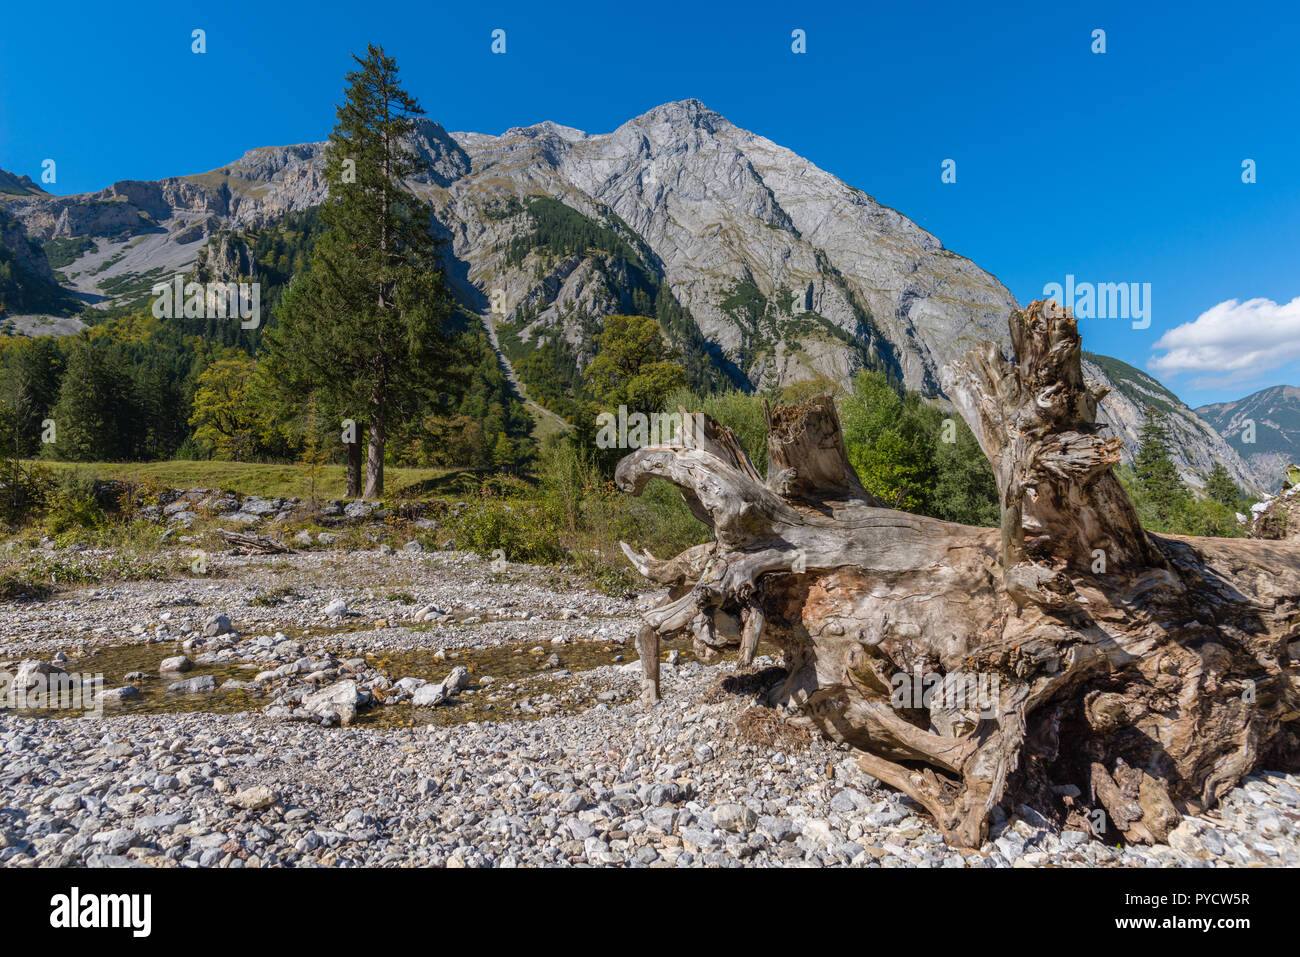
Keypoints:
(32, 389)
(364, 329)
(93, 416)
(1157, 475)
(1221, 488)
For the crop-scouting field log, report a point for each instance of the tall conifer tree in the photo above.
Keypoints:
(364, 329)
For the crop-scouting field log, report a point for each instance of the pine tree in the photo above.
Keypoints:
(1220, 486)
(33, 389)
(93, 415)
(364, 329)
(1156, 473)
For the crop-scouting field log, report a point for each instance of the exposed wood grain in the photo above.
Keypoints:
(1151, 672)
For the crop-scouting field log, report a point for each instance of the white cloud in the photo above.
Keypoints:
(1232, 341)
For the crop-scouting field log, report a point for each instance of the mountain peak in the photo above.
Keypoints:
(689, 111)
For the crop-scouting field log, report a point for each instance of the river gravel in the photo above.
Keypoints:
(323, 760)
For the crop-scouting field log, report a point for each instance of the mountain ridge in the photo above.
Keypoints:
(1275, 411)
(774, 268)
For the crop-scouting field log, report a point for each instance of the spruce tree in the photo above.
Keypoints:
(1220, 486)
(32, 389)
(93, 415)
(1156, 473)
(364, 329)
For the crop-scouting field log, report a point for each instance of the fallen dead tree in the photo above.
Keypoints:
(256, 544)
(1149, 672)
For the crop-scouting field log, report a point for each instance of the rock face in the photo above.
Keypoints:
(1194, 444)
(1275, 414)
(773, 271)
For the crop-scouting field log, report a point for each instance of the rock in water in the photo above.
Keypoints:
(117, 695)
(428, 695)
(341, 698)
(195, 685)
(178, 663)
(32, 672)
(457, 680)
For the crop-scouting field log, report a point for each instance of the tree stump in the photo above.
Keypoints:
(970, 667)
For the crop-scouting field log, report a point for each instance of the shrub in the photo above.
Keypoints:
(72, 504)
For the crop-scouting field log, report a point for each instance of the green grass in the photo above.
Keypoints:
(287, 481)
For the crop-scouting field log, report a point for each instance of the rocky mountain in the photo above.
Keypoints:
(1271, 418)
(763, 268)
(1196, 445)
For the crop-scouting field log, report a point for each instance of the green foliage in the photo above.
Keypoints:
(29, 388)
(21, 288)
(1220, 487)
(552, 377)
(1209, 518)
(746, 303)
(577, 517)
(282, 251)
(24, 489)
(374, 272)
(481, 425)
(632, 366)
(232, 412)
(1191, 516)
(900, 448)
(64, 251)
(560, 230)
(94, 400)
(72, 504)
(1162, 487)
(557, 230)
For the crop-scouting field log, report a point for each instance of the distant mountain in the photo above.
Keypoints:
(763, 269)
(1275, 413)
(1196, 444)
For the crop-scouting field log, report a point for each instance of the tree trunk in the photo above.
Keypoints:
(375, 454)
(354, 463)
(974, 667)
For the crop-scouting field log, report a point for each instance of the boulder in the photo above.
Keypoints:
(255, 798)
(199, 685)
(457, 680)
(341, 697)
(176, 664)
(115, 696)
(428, 696)
(216, 625)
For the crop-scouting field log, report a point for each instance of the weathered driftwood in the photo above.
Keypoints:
(254, 543)
(1150, 672)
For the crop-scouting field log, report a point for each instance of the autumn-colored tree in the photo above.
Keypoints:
(230, 412)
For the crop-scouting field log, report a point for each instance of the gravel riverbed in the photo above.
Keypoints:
(429, 708)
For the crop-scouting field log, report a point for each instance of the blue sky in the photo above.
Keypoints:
(1115, 167)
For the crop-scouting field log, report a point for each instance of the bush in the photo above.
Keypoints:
(914, 456)
(1209, 518)
(72, 504)
(24, 489)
